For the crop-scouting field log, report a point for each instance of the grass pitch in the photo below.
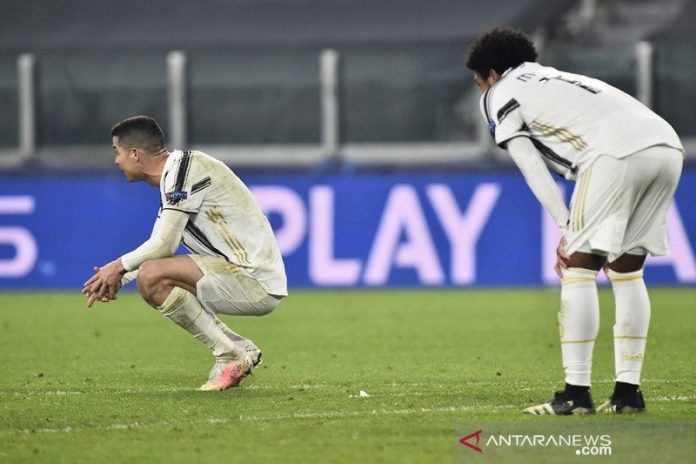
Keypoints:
(118, 383)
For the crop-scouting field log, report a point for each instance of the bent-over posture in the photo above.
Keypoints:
(626, 161)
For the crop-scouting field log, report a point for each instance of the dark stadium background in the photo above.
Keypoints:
(336, 106)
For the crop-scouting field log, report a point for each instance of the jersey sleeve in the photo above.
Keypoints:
(185, 187)
(529, 161)
(163, 242)
(504, 115)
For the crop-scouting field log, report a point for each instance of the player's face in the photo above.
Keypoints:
(486, 83)
(481, 83)
(126, 161)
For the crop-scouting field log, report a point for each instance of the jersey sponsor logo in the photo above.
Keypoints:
(175, 197)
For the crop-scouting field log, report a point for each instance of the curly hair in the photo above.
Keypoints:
(500, 49)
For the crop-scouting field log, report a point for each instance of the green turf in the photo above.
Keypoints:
(118, 383)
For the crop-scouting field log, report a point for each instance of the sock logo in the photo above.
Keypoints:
(465, 441)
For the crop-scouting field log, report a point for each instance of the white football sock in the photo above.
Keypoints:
(231, 334)
(578, 322)
(632, 321)
(184, 309)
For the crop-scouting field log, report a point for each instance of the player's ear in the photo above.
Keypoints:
(493, 77)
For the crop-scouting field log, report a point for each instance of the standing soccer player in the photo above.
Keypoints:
(626, 161)
(234, 267)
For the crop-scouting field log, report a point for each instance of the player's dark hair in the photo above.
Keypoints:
(500, 49)
(139, 132)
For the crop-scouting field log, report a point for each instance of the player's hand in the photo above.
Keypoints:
(92, 297)
(104, 284)
(87, 286)
(562, 258)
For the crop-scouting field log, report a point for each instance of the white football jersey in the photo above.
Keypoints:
(571, 119)
(225, 219)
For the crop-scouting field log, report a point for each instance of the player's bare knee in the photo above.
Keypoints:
(152, 285)
(146, 277)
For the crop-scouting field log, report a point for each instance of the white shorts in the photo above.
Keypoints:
(620, 205)
(229, 289)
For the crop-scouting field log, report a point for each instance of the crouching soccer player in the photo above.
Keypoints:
(234, 267)
(626, 162)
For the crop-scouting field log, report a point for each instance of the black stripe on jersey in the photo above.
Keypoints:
(201, 185)
(507, 108)
(553, 156)
(181, 174)
(485, 106)
(489, 121)
(164, 182)
(179, 210)
(197, 234)
(183, 242)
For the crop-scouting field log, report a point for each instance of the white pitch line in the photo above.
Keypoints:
(294, 387)
(278, 417)
(376, 412)
(672, 398)
(41, 393)
(308, 415)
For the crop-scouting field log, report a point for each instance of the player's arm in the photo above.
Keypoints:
(529, 161)
(164, 241)
(130, 276)
(540, 181)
